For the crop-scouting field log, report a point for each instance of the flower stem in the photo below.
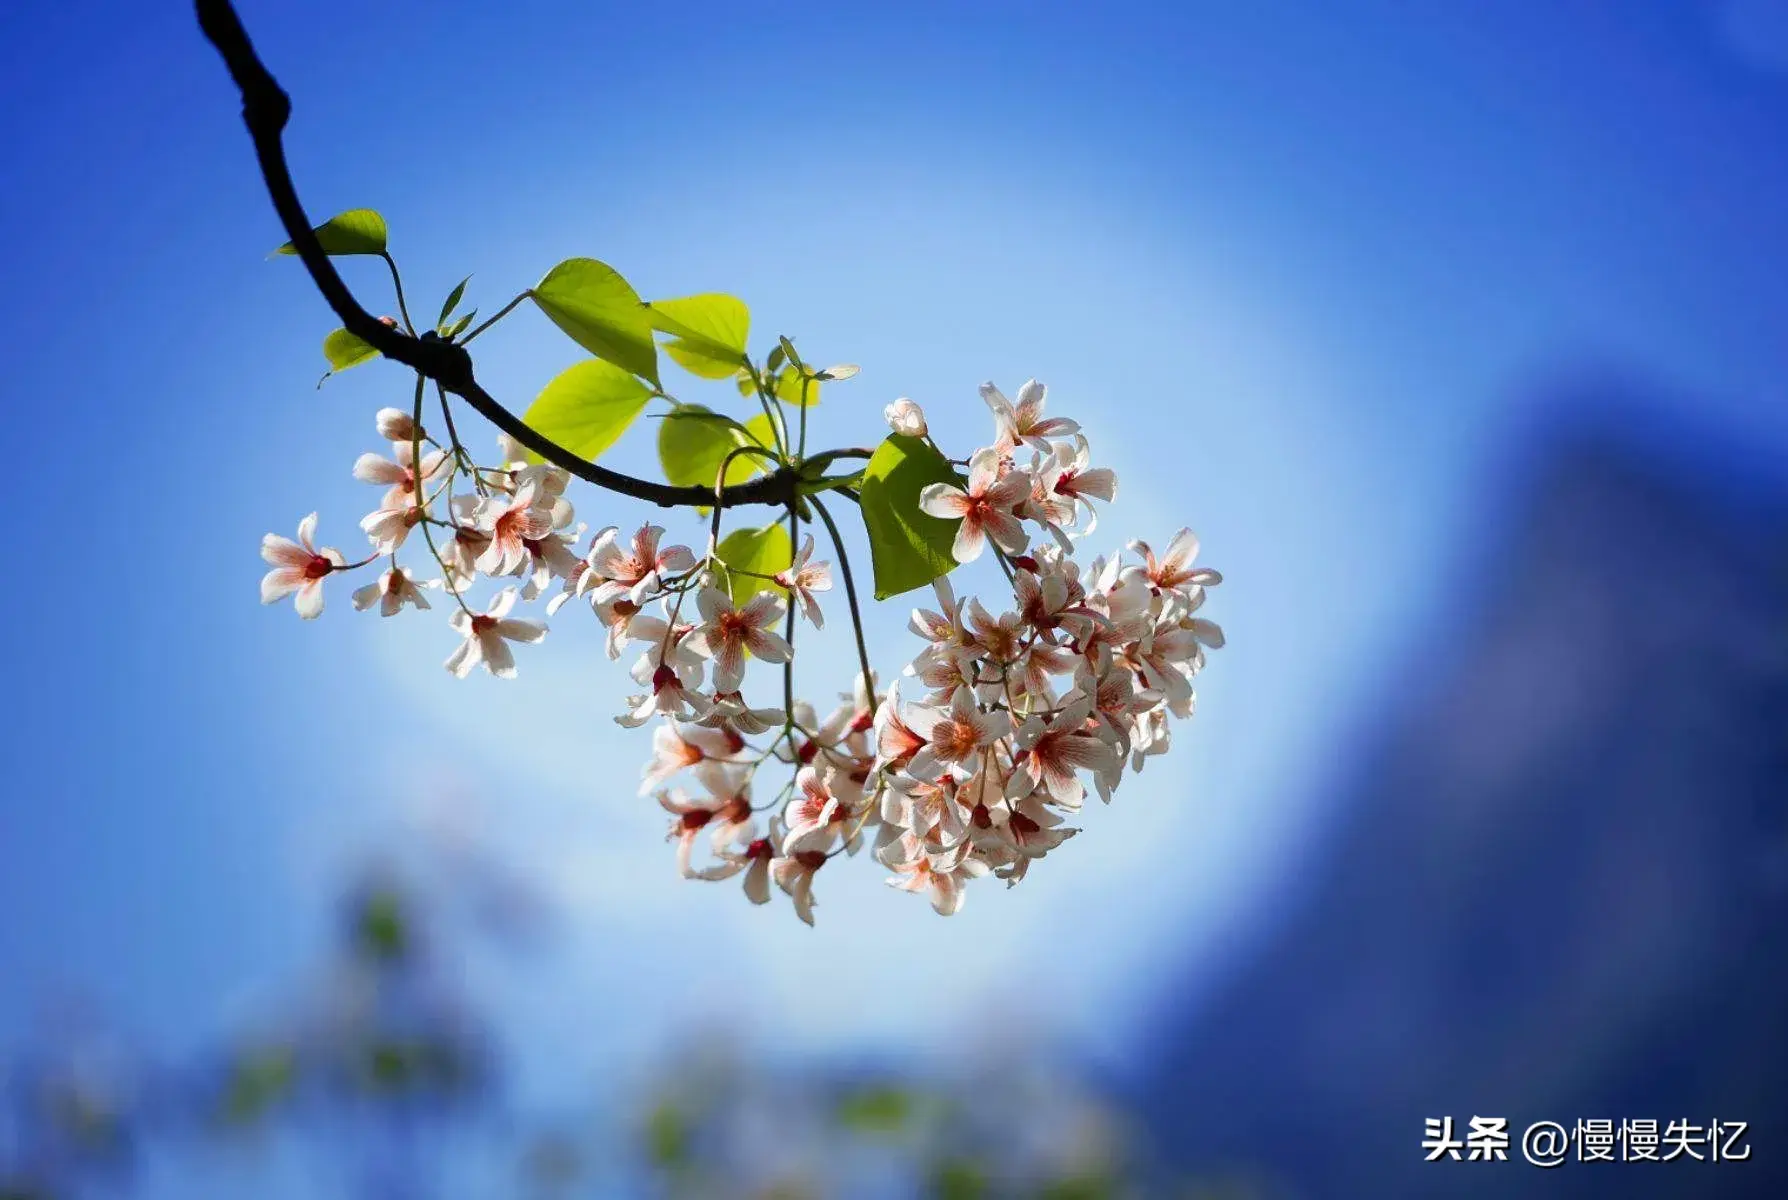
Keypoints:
(500, 314)
(850, 597)
(398, 283)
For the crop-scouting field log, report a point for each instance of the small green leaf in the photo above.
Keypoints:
(459, 326)
(344, 350)
(762, 551)
(708, 332)
(357, 231)
(587, 407)
(453, 299)
(788, 349)
(693, 441)
(908, 548)
(601, 312)
(840, 372)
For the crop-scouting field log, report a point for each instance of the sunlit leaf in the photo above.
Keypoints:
(453, 299)
(357, 231)
(344, 350)
(459, 326)
(908, 548)
(708, 332)
(693, 441)
(793, 386)
(840, 372)
(601, 312)
(587, 407)
(761, 551)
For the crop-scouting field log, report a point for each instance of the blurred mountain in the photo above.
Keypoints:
(1557, 889)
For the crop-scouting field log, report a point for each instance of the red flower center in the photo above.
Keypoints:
(317, 567)
(483, 624)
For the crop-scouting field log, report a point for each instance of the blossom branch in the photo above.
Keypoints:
(265, 110)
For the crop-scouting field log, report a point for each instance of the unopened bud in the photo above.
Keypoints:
(395, 425)
(903, 416)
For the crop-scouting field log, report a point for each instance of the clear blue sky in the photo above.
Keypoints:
(1290, 264)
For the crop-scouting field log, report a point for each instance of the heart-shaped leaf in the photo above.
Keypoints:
(909, 548)
(601, 312)
(587, 407)
(357, 231)
(708, 332)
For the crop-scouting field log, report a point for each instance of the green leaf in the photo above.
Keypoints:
(601, 312)
(796, 387)
(788, 349)
(763, 551)
(909, 548)
(692, 441)
(357, 231)
(763, 433)
(459, 326)
(344, 350)
(587, 407)
(453, 299)
(708, 332)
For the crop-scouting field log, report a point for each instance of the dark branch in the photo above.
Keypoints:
(265, 109)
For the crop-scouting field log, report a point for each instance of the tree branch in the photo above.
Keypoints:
(265, 110)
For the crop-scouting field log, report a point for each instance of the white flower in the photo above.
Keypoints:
(391, 591)
(985, 507)
(396, 425)
(1025, 423)
(488, 636)
(803, 578)
(298, 567)
(904, 416)
(727, 632)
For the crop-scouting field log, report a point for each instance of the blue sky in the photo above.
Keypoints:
(1294, 267)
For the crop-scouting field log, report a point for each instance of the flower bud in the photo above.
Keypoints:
(395, 425)
(903, 416)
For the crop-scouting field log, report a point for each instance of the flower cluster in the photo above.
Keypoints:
(972, 763)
